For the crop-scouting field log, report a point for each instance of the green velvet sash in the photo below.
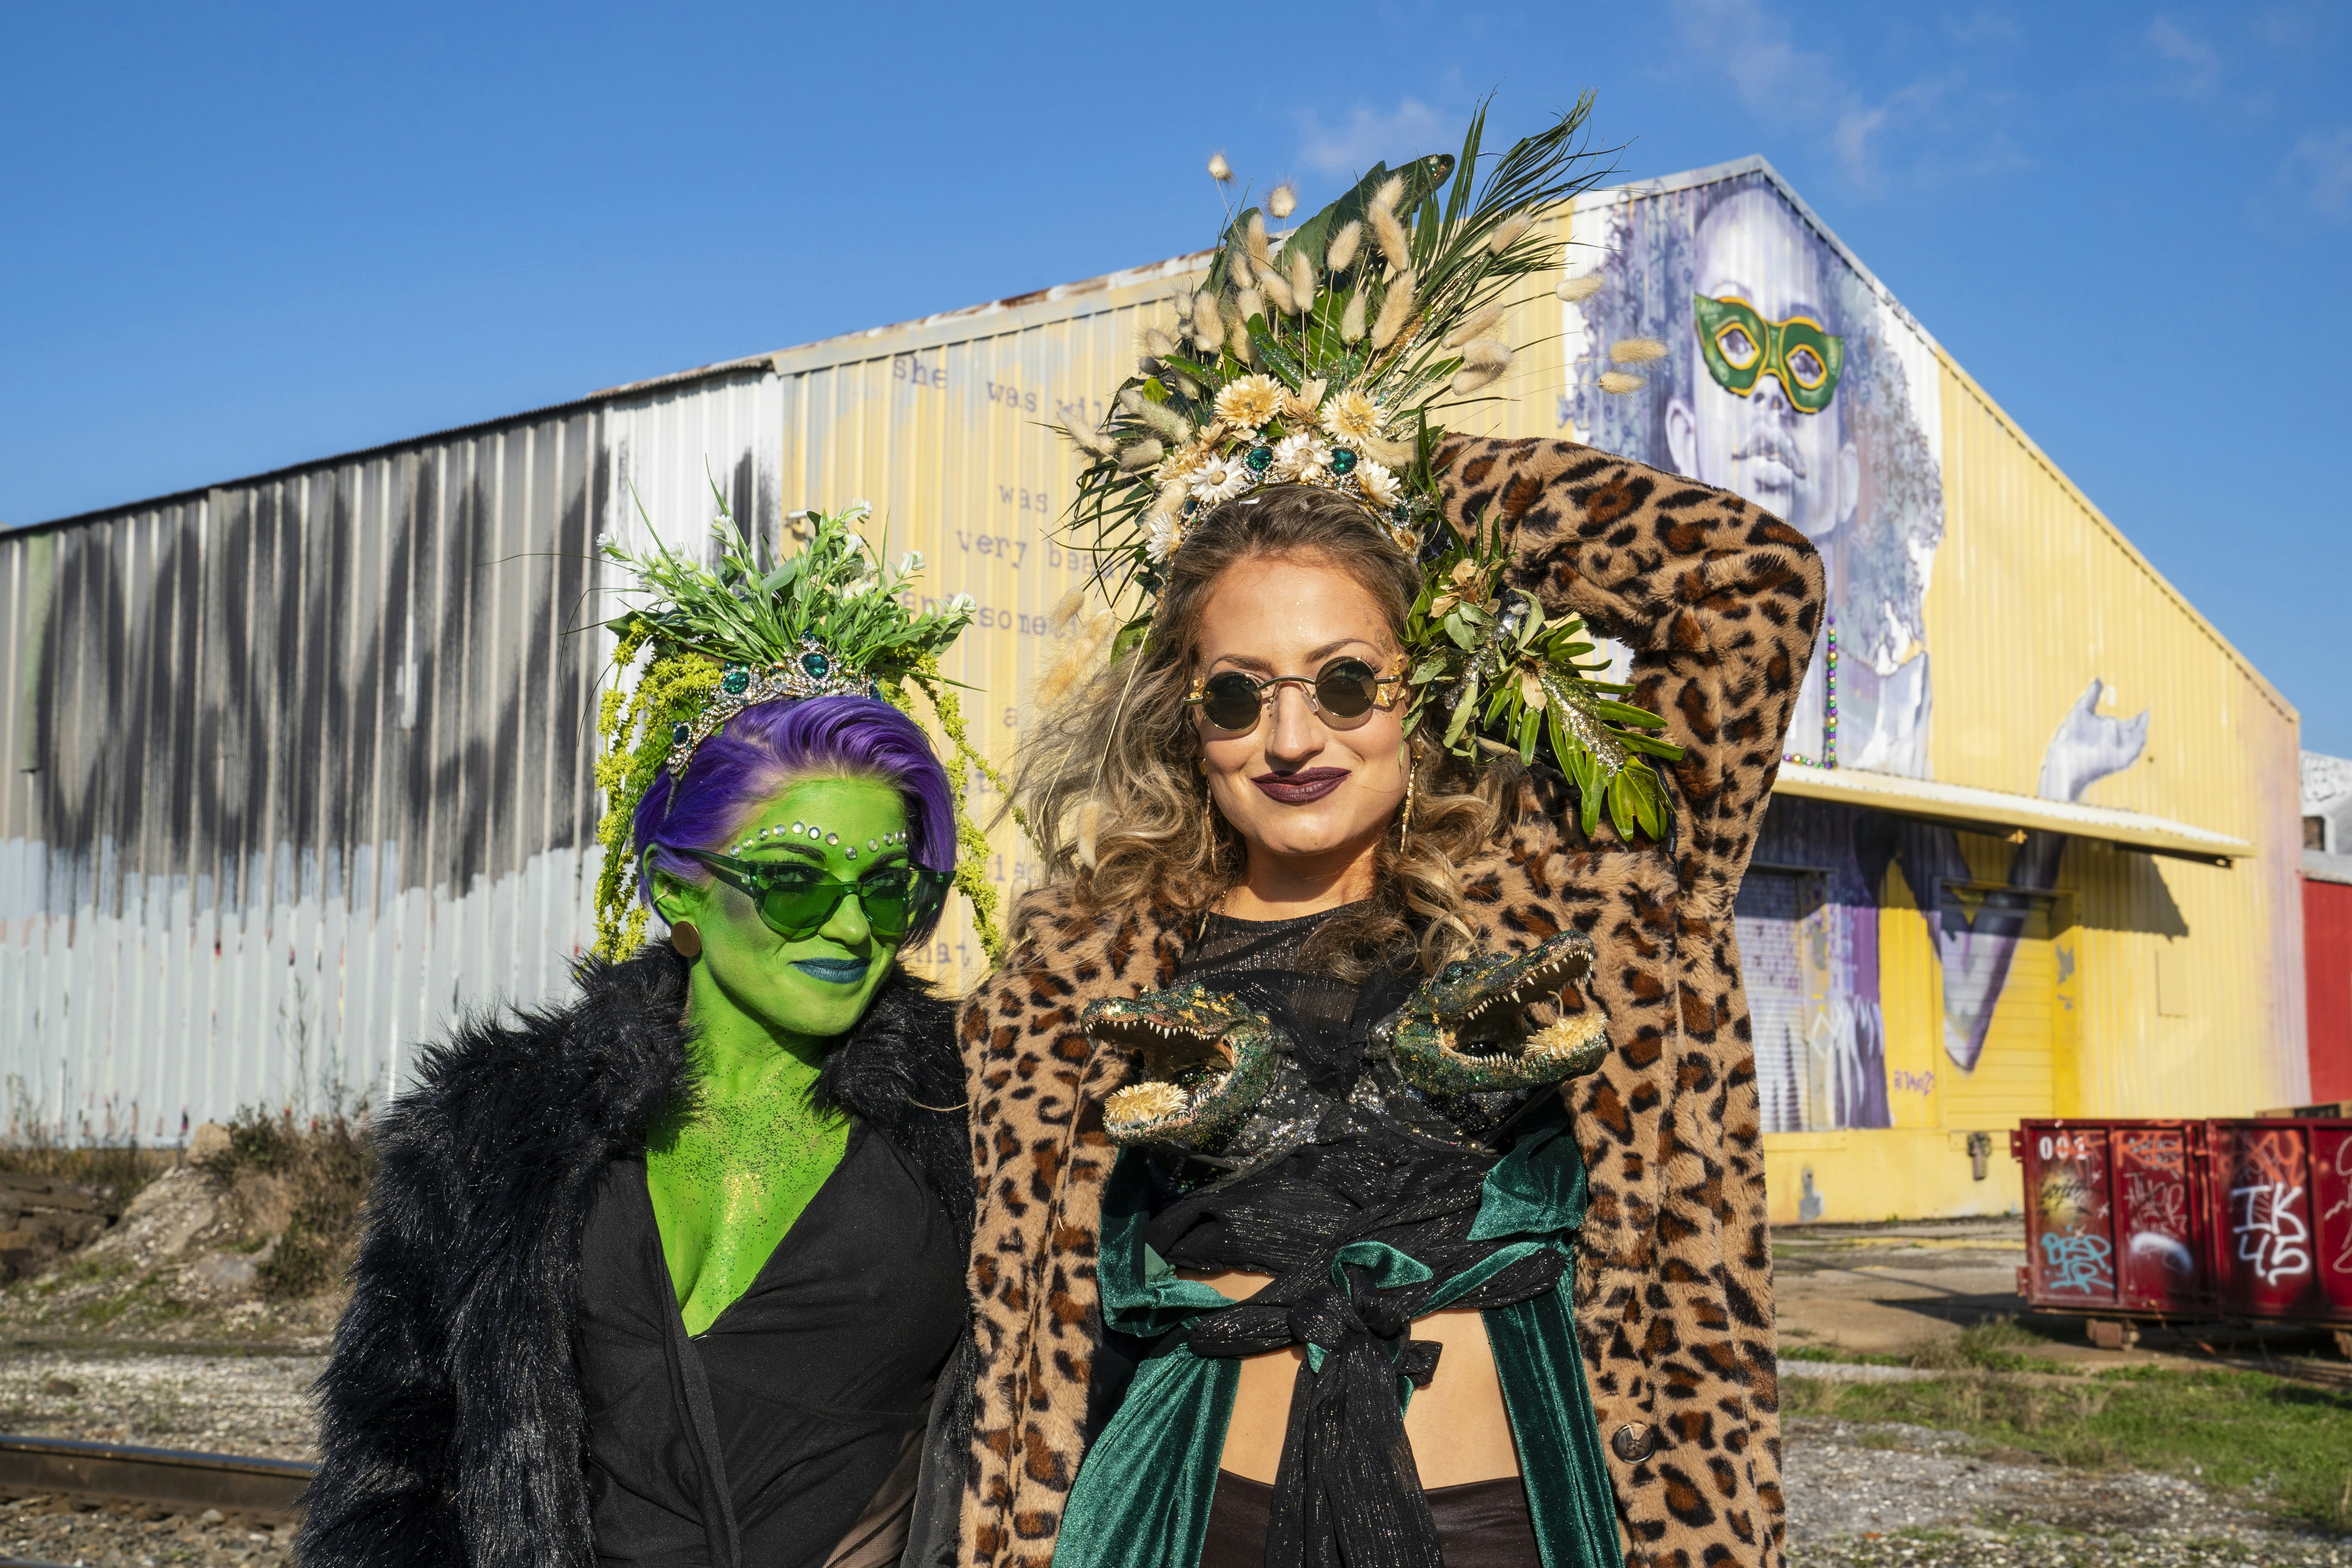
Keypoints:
(1143, 1495)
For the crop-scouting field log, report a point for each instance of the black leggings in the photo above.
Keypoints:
(1485, 1524)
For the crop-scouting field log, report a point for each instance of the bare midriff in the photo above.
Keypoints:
(1457, 1425)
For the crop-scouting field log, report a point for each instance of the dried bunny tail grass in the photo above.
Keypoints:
(1344, 244)
(1620, 383)
(1396, 310)
(1090, 817)
(1482, 362)
(1387, 453)
(1478, 326)
(1068, 609)
(1391, 191)
(1094, 443)
(1250, 302)
(1283, 200)
(1153, 344)
(1144, 453)
(1277, 290)
(1302, 280)
(1573, 289)
(1395, 243)
(1163, 420)
(1636, 351)
(1219, 170)
(1509, 232)
(1238, 342)
(1254, 237)
(1352, 320)
(1185, 385)
(1208, 328)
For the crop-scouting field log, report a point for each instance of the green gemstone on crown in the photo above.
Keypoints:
(1343, 461)
(679, 734)
(1260, 458)
(736, 681)
(817, 664)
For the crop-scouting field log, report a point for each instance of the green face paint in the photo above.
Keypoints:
(728, 1179)
(1741, 348)
(811, 980)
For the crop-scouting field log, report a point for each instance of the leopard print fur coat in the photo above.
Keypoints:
(1674, 1284)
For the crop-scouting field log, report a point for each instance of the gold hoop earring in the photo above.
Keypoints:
(685, 940)
(1404, 821)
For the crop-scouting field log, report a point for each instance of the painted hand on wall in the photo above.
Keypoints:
(2089, 746)
(1977, 953)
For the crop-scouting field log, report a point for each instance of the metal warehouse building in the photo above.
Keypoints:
(302, 762)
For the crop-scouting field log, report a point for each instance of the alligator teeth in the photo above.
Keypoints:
(1566, 1038)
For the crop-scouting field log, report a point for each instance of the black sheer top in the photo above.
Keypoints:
(767, 1438)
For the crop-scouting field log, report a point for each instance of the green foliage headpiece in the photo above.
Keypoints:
(1323, 358)
(827, 622)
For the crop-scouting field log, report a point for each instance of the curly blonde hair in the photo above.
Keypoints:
(1109, 777)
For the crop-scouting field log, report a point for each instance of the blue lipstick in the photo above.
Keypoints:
(833, 971)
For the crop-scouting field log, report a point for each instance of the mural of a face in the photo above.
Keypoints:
(1800, 465)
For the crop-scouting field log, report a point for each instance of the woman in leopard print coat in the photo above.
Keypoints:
(1673, 1284)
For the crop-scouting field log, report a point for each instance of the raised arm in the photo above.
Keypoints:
(1719, 601)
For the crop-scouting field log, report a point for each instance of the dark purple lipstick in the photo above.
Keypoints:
(1299, 788)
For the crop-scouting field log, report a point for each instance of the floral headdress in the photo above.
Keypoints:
(1322, 358)
(827, 622)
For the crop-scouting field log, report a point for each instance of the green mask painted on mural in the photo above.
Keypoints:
(1741, 348)
(729, 1177)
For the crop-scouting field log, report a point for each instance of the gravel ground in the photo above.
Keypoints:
(1886, 1494)
(221, 1403)
(1860, 1496)
(47, 1530)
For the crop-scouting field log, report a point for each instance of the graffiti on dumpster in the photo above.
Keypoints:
(2079, 1263)
(2263, 1200)
(2156, 1200)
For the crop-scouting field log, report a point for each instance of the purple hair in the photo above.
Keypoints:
(761, 749)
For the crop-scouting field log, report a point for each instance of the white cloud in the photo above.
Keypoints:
(2323, 163)
(1369, 136)
(2201, 65)
(1754, 50)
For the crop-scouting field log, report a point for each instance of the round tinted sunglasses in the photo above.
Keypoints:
(795, 901)
(1343, 695)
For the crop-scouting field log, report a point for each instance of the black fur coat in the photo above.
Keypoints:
(451, 1427)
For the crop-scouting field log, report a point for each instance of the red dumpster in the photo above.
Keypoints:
(2189, 1219)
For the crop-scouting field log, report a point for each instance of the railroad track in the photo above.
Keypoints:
(176, 1478)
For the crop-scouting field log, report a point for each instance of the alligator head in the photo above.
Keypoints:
(1201, 1061)
(1466, 1031)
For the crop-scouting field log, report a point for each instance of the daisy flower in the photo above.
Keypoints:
(1301, 458)
(1163, 531)
(1351, 417)
(1220, 479)
(1249, 402)
(1379, 486)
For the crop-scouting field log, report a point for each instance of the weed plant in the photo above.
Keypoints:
(303, 1183)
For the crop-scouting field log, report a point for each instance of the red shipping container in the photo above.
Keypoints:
(2189, 1219)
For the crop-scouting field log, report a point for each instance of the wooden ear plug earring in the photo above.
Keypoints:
(685, 940)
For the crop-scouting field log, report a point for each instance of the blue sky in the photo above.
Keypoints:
(241, 237)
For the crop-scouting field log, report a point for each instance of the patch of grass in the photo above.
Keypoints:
(1996, 1344)
(2288, 1444)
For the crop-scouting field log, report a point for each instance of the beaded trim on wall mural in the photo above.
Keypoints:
(1828, 758)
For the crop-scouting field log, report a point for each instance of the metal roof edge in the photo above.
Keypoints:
(2321, 867)
(1965, 804)
(756, 363)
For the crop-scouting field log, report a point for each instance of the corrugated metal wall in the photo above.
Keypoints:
(302, 766)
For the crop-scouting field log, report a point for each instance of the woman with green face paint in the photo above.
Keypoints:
(677, 1275)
